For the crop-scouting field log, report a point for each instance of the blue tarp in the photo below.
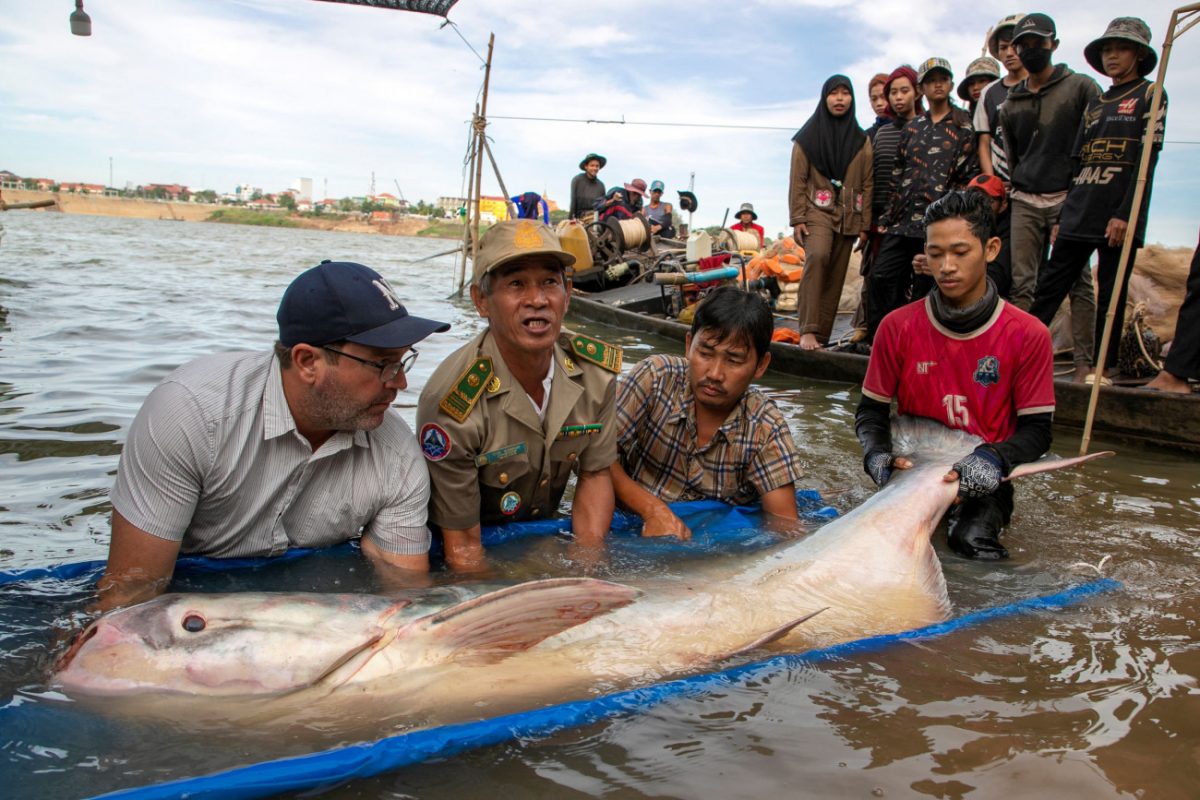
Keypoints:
(365, 760)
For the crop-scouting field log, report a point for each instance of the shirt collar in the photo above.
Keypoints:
(278, 420)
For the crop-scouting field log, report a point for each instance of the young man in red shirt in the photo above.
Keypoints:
(968, 359)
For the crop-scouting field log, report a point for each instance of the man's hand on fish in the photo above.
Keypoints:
(880, 463)
(661, 521)
(978, 473)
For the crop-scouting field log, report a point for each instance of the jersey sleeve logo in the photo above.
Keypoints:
(435, 442)
(988, 371)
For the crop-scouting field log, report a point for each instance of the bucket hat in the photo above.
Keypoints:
(637, 185)
(983, 66)
(747, 207)
(1128, 29)
(687, 200)
(1006, 24)
(593, 157)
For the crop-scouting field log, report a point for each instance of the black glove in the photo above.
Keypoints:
(979, 473)
(878, 464)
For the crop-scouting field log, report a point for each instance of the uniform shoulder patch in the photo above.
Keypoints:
(597, 352)
(463, 396)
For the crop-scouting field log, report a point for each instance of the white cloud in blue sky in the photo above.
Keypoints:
(212, 93)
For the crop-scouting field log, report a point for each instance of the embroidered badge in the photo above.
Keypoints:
(435, 442)
(493, 385)
(573, 431)
(459, 401)
(526, 236)
(605, 355)
(988, 371)
(510, 502)
(499, 455)
(823, 198)
(858, 202)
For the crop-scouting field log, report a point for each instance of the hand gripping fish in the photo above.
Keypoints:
(441, 658)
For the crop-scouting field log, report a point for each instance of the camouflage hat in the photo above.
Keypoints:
(985, 67)
(929, 65)
(1006, 24)
(1129, 29)
(514, 239)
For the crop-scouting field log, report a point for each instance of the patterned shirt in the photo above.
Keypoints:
(751, 454)
(932, 158)
(213, 460)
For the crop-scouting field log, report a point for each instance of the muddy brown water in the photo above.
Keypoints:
(1098, 699)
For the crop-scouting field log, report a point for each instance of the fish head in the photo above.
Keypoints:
(244, 644)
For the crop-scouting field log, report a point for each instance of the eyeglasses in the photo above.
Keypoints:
(388, 370)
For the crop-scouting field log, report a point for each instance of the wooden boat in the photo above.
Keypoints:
(1171, 420)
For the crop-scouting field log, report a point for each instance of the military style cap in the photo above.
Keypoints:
(983, 66)
(929, 65)
(1035, 25)
(1129, 29)
(1005, 25)
(515, 239)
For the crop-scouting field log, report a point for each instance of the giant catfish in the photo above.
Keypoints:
(342, 661)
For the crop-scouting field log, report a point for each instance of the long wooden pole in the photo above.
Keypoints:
(480, 124)
(1139, 192)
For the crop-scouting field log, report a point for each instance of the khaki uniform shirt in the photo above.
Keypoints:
(491, 460)
(814, 201)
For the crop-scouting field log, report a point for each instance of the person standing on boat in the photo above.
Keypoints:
(879, 104)
(1183, 359)
(692, 427)
(250, 454)
(507, 418)
(992, 160)
(746, 217)
(586, 188)
(970, 360)
(829, 202)
(1108, 149)
(936, 153)
(1039, 121)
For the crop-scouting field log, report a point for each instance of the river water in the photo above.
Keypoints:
(1095, 700)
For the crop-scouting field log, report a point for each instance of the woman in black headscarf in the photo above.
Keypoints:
(830, 204)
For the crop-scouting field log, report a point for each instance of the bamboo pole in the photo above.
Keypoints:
(1177, 17)
(480, 124)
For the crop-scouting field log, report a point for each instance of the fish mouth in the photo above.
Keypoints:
(66, 658)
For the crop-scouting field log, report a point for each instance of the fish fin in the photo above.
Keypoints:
(1048, 464)
(770, 636)
(518, 617)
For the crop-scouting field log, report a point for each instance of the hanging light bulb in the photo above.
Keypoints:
(81, 23)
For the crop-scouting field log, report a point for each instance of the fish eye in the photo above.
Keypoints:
(194, 623)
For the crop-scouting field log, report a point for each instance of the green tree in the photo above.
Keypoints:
(558, 216)
(345, 204)
(438, 213)
(287, 201)
(257, 195)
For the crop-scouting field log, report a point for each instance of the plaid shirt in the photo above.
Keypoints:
(751, 454)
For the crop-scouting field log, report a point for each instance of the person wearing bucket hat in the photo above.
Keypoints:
(980, 73)
(992, 159)
(586, 187)
(219, 460)
(1039, 122)
(936, 154)
(1096, 213)
(746, 216)
(506, 419)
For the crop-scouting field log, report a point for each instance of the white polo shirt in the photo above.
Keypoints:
(213, 460)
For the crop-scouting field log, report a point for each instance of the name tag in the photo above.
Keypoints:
(499, 455)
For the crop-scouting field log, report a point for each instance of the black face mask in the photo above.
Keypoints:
(1035, 59)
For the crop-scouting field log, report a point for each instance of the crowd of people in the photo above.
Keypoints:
(249, 454)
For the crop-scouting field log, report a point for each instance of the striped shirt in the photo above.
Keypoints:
(751, 454)
(887, 141)
(214, 460)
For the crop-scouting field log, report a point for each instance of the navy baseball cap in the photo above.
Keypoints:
(341, 300)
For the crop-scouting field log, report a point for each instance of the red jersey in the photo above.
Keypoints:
(978, 382)
(753, 228)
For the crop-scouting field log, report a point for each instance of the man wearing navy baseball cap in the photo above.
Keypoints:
(252, 453)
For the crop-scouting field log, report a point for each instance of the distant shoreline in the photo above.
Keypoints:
(139, 208)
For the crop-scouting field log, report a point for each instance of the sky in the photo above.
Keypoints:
(216, 93)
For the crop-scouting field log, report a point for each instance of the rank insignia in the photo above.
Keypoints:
(988, 371)
(569, 363)
(459, 401)
(600, 353)
(435, 442)
(573, 431)
(510, 503)
(499, 455)
(493, 385)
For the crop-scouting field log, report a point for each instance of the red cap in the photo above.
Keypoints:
(989, 185)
